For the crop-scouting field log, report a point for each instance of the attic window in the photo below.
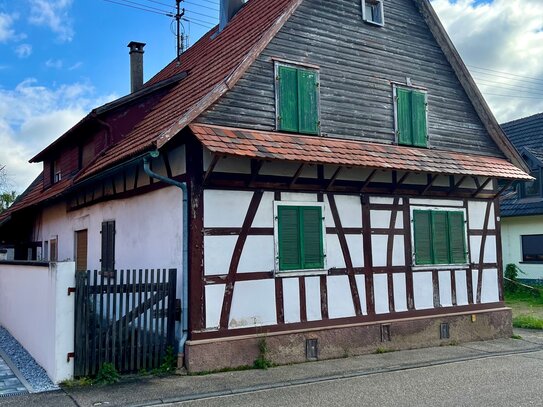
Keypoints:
(56, 174)
(372, 12)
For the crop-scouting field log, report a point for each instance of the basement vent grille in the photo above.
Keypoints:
(444, 331)
(311, 349)
(385, 333)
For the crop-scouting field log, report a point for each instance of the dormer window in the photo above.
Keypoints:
(372, 12)
(56, 174)
(531, 189)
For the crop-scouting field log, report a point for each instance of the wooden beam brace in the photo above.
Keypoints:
(476, 180)
(211, 167)
(368, 180)
(256, 166)
(431, 179)
(333, 179)
(401, 181)
(481, 187)
(297, 175)
(457, 185)
(503, 189)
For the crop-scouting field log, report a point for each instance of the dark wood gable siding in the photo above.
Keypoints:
(357, 64)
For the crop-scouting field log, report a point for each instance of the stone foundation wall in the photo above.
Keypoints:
(342, 341)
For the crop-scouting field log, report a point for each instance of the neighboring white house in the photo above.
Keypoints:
(522, 206)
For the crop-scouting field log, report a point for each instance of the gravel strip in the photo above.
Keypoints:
(32, 372)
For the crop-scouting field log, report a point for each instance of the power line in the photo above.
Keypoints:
(514, 96)
(506, 73)
(161, 3)
(202, 14)
(201, 25)
(143, 5)
(200, 5)
(509, 87)
(162, 13)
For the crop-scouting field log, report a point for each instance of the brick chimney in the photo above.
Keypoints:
(229, 8)
(136, 65)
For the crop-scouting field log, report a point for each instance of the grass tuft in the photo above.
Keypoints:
(528, 321)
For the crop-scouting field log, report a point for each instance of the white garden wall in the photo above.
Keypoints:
(37, 311)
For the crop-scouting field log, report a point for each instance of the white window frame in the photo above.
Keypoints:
(366, 18)
(302, 272)
(457, 266)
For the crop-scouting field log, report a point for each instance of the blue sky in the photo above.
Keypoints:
(61, 58)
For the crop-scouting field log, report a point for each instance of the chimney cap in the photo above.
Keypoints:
(136, 46)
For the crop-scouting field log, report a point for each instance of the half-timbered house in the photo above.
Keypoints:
(340, 170)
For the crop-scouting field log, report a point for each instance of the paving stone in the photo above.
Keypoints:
(9, 383)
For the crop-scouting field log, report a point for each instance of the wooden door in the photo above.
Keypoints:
(81, 250)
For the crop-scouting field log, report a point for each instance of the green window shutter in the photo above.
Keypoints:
(307, 102)
(418, 117)
(288, 224)
(403, 112)
(457, 238)
(422, 225)
(440, 237)
(311, 228)
(288, 99)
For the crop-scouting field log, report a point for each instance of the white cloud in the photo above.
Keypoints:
(7, 32)
(23, 50)
(53, 14)
(504, 36)
(75, 66)
(54, 63)
(32, 116)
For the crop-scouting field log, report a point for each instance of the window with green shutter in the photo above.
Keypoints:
(439, 237)
(300, 237)
(411, 126)
(297, 99)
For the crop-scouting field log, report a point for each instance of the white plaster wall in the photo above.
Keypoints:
(340, 302)
(36, 310)
(313, 298)
(400, 292)
(253, 304)
(423, 290)
(445, 289)
(380, 293)
(461, 287)
(490, 253)
(512, 229)
(356, 249)
(218, 254)
(148, 230)
(225, 208)
(379, 245)
(489, 287)
(263, 245)
(214, 295)
(361, 286)
(334, 255)
(436, 202)
(291, 300)
(477, 211)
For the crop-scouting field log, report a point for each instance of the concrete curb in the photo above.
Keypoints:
(16, 372)
(318, 379)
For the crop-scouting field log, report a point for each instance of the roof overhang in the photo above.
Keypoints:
(341, 152)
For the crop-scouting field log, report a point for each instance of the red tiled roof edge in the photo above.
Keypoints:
(346, 152)
(229, 82)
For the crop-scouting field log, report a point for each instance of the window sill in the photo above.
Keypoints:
(429, 267)
(374, 23)
(301, 273)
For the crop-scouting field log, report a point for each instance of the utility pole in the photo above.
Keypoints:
(178, 15)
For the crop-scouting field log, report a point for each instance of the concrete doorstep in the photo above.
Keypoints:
(171, 389)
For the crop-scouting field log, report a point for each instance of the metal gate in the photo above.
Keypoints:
(125, 317)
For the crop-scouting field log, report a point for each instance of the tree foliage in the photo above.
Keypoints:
(7, 196)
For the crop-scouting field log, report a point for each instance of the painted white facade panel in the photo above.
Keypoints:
(264, 214)
(218, 252)
(313, 298)
(291, 300)
(361, 286)
(225, 208)
(445, 289)
(491, 252)
(340, 303)
(423, 290)
(381, 200)
(474, 282)
(436, 202)
(475, 248)
(214, 295)
(298, 197)
(379, 245)
(399, 220)
(461, 287)
(477, 210)
(489, 288)
(334, 255)
(380, 290)
(350, 210)
(398, 251)
(264, 261)
(400, 292)
(253, 304)
(356, 249)
(380, 219)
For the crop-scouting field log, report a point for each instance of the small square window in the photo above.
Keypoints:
(372, 12)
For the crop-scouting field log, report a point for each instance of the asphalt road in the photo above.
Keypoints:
(514, 380)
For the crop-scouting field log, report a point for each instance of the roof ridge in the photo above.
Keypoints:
(526, 118)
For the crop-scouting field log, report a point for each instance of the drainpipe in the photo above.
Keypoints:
(185, 292)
